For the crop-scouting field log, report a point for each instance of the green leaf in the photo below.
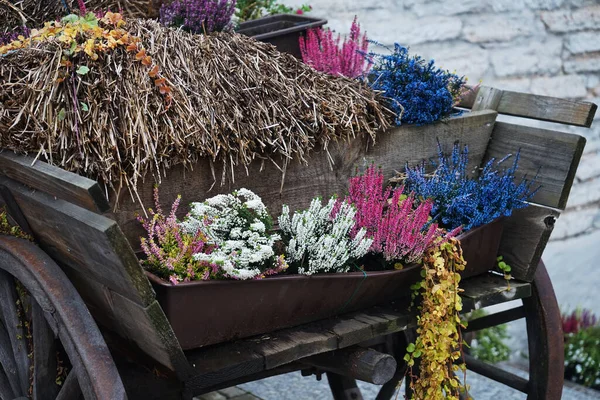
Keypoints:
(82, 70)
(62, 114)
(417, 354)
(84, 107)
(410, 348)
(499, 258)
(70, 18)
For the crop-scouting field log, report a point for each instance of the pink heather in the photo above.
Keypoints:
(399, 228)
(322, 52)
(82, 8)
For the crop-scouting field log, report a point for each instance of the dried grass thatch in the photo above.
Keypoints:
(235, 100)
(35, 12)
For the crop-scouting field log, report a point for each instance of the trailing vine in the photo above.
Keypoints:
(438, 343)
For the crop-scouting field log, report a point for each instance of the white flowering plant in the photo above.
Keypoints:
(238, 225)
(319, 240)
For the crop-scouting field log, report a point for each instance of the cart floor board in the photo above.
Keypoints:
(234, 360)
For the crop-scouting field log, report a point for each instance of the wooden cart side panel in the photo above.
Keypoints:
(542, 108)
(145, 327)
(394, 148)
(526, 233)
(93, 252)
(84, 241)
(53, 180)
(551, 155)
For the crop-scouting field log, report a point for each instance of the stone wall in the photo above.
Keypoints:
(549, 47)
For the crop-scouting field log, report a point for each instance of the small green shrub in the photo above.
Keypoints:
(489, 343)
(582, 357)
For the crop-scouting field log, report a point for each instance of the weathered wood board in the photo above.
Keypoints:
(543, 108)
(525, 236)
(324, 176)
(552, 156)
(83, 240)
(53, 180)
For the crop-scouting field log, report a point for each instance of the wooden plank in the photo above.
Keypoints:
(526, 233)
(227, 361)
(490, 289)
(53, 180)
(543, 108)
(394, 148)
(293, 344)
(349, 331)
(145, 328)
(554, 154)
(223, 363)
(487, 98)
(83, 240)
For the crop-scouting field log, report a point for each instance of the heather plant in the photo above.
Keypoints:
(469, 201)
(18, 33)
(578, 320)
(322, 51)
(198, 16)
(170, 251)
(319, 240)
(399, 225)
(237, 224)
(417, 91)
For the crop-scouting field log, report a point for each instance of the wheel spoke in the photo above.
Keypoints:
(44, 357)
(343, 388)
(8, 362)
(496, 374)
(70, 389)
(495, 319)
(6, 391)
(8, 305)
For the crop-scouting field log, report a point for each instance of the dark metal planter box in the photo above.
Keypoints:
(480, 247)
(208, 312)
(283, 30)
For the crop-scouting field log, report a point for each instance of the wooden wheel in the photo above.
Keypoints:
(544, 337)
(46, 328)
(545, 340)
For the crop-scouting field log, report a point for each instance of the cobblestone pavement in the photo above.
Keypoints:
(296, 387)
(232, 393)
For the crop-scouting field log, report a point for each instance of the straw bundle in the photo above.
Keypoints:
(234, 100)
(36, 12)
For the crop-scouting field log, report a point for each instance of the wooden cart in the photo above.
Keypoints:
(83, 274)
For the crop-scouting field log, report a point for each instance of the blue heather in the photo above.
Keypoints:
(426, 92)
(470, 201)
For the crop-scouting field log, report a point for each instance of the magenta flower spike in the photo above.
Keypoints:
(322, 51)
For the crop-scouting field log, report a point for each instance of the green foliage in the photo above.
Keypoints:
(438, 343)
(6, 228)
(489, 345)
(582, 357)
(247, 10)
